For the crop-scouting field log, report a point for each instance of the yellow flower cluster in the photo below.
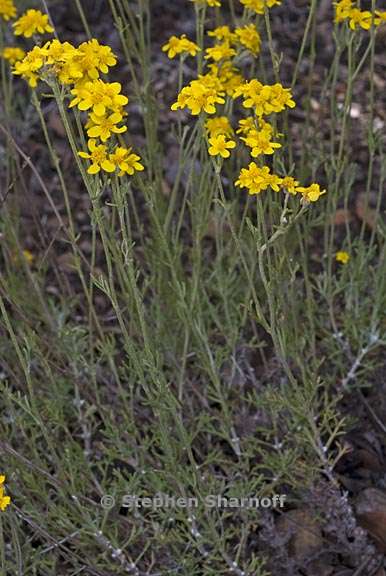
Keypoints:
(242, 37)
(347, 10)
(7, 9)
(80, 68)
(256, 179)
(4, 500)
(204, 93)
(223, 80)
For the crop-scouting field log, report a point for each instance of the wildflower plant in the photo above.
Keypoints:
(192, 323)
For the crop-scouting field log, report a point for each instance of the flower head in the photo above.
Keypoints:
(210, 3)
(126, 161)
(182, 45)
(32, 22)
(380, 17)
(99, 96)
(347, 10)
(311, 193)
(199, 96)
(265, 99)
(98, 157)
(223, 33)
(62, 57)
(246, 125)
(258, 6)
(260, 142)
(13, 54)
(92, 58)
(29, 67)
(342, 256)
(249, 37)
(4, 500)
(104, 126)
(219, 125)
(257, 179)
(290, 184)
(7, 9)
(220, 52)
(219, 146)
(343, 9)
(226, 77)
(360, 18)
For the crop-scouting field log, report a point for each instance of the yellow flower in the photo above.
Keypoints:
(99, 96)
(219, 125)
(211, 3)
(265, 99)
(311, 193)
(92, 58)
(257, 179)
(346, 10)
(259, 5)
(290, 184)
(219, 146)
(226, 76)
(104, 126)
(342, 257)
(220, 52)
(380, 17)
(4, 500)
(29, 257)
(223, 33)
(249, 37)
(259, 142)
(29, 67)
(7, 9)
(13, 54)
(58, 52)
(62, 57)
(198, 97)
(246, 125)
(182, 45)
(342, 10)
(126, 161)
(98, 157)
(32, 22)
(18, 258)
(359, 18)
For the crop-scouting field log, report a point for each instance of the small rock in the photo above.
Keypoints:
(306, 535)
(365, 212)
(342, 216)
(371, 513)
